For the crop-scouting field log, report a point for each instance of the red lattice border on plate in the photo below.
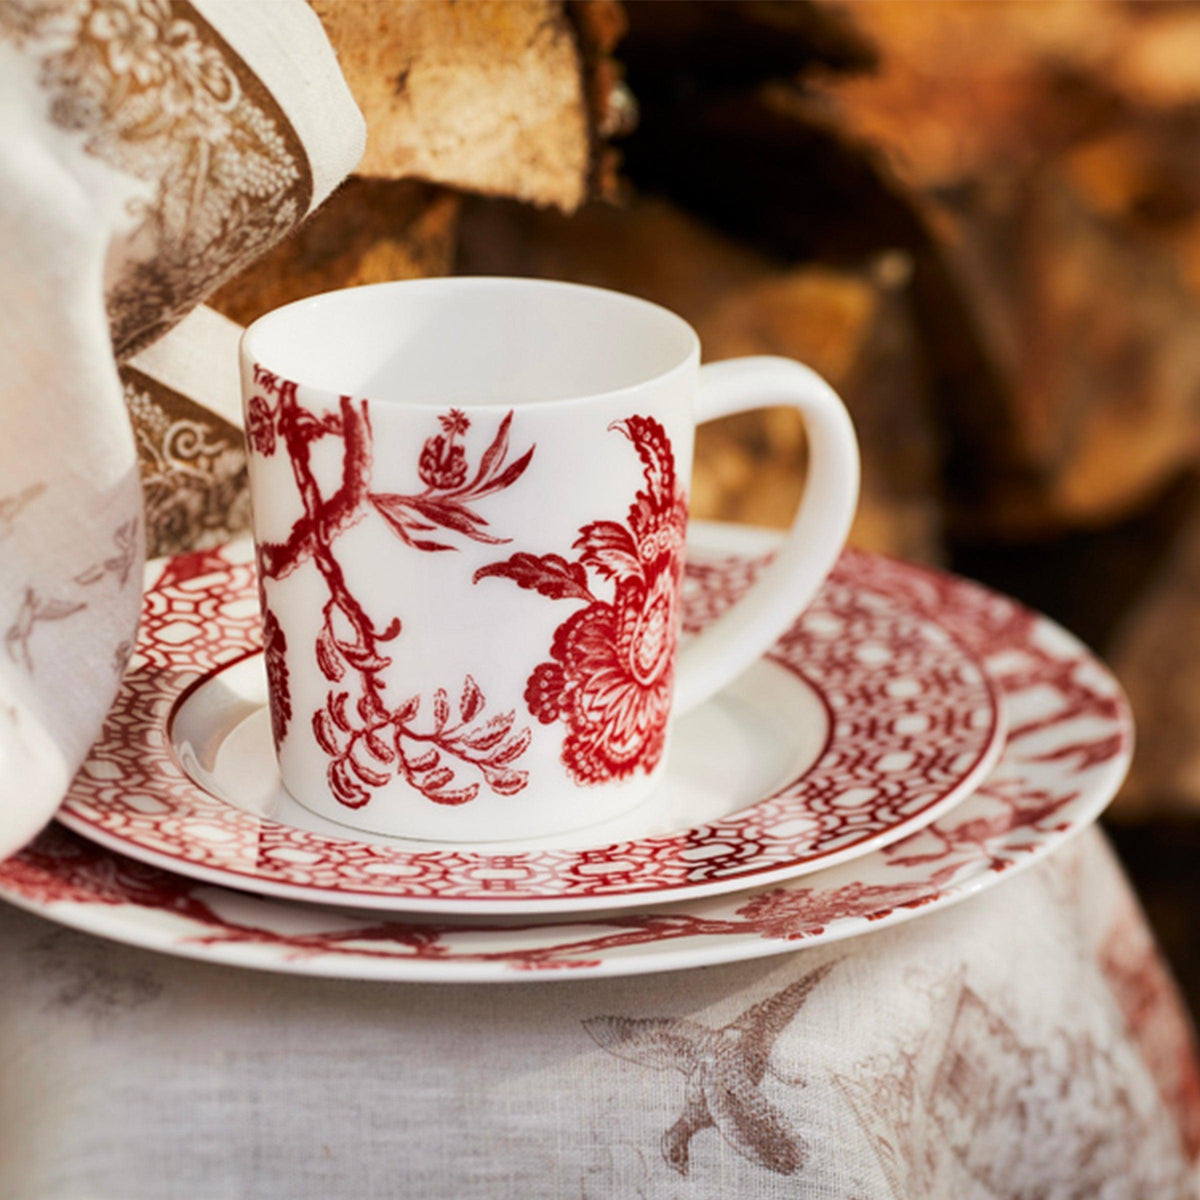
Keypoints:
(902, 739)
(1068, 749)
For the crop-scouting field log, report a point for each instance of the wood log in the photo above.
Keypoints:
(368, 231)
(1156, 655)
(599, 26)
(504, 99)
(1053, 178)
(853, 327)
(1098, 336)
(722, 45)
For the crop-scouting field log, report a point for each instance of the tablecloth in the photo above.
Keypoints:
(1027, 1043)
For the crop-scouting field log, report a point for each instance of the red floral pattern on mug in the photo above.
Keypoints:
(428, 742)
(443, 462)
(275, 657)
(260, 428)
(611, 669)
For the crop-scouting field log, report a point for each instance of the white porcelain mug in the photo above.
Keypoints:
(470, 506)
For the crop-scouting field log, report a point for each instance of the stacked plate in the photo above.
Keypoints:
(911, 740)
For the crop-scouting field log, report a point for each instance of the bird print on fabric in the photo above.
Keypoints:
(724, 1069)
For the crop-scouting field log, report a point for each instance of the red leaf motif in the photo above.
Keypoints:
(328, 658)
(429, 546)
(507, 783)
(438, 779)
(441, 707)
(654, 449)
(395, 511)
(609, 549)
(493, 457)
(495, 453)
(453, 516)
(514, 749)
(337, 710)
(363, 659)
(471, 703)
(454, 796)
(322, 728)
(377, 746)
(492, 733)
(548, 574)
(511, 474)
(348, 790)
(365, 773)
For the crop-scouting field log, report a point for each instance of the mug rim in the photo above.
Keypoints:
(681, 364)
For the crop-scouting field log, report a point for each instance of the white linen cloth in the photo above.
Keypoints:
(1025, 1044)
(148, 149)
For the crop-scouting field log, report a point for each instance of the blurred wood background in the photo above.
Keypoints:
(980, 221)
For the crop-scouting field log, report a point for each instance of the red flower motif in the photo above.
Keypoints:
(611, 675)
(274, 655)
(454, 422)
(443, 462)
(611, 680)
(260, 427)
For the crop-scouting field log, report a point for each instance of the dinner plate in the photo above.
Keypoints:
(1067, 751)
(866, 720)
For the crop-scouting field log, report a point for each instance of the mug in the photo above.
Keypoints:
(470, 507)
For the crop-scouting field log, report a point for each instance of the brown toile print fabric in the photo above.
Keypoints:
(157, 94)
(148, 150)
(192, 464)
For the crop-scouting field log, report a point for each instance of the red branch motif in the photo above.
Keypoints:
(370, 740)
(611, 668)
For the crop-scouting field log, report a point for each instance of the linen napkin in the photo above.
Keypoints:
(149, 149)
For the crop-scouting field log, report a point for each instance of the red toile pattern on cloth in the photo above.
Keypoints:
(610, 674)
(898, 753)
(434, 745)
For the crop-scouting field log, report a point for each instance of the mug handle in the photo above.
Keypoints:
(740, 636)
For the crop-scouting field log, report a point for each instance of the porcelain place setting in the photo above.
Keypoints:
(478, 703)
